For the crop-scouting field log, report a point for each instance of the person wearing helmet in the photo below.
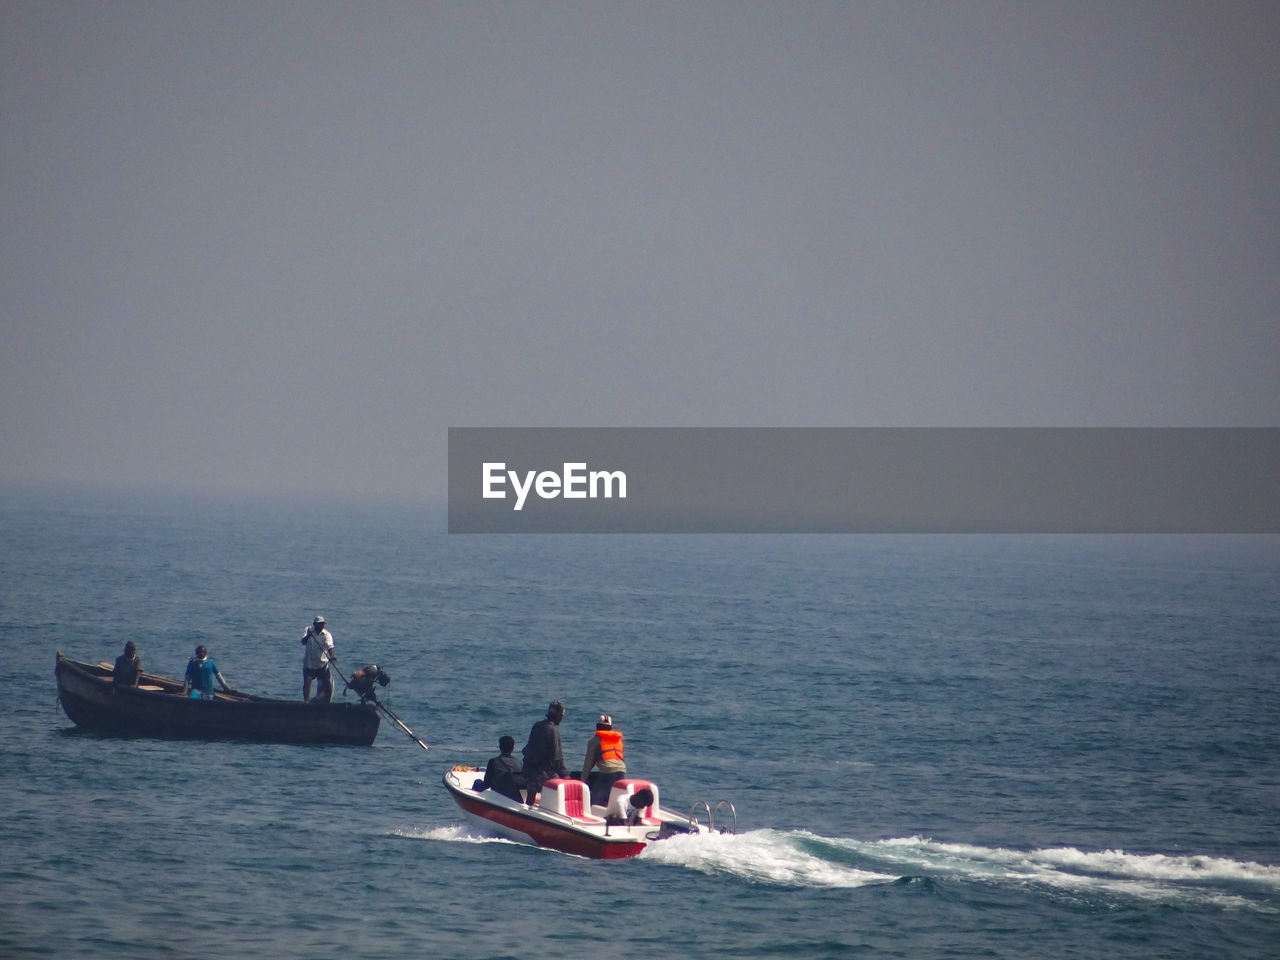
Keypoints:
(604, 752)
(543, 758)
(318, 653)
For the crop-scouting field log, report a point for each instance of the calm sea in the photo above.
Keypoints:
(937, 746)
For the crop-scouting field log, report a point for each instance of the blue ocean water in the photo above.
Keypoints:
(937, 746)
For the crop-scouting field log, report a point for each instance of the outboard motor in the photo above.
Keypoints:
(365, 679)
(365, 682)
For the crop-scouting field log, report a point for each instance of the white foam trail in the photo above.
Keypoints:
(454, 834)
(798, 858)
(766, 856)
(965, 858)
(802, 859)
(1146, 876)
(1162, 866)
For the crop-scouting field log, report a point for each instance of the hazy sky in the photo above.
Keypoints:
(284, 246)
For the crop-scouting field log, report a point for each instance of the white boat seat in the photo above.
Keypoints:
(570, 798)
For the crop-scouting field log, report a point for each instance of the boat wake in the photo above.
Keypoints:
(765, 856)
(800, 859)
(454, 834)
(803, 859)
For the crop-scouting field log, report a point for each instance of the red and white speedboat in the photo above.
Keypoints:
(565, 820)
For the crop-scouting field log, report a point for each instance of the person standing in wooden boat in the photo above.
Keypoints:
(201, 672)
(318, 653)
(128, 667)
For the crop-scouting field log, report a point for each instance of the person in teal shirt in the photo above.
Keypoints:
(201, 672)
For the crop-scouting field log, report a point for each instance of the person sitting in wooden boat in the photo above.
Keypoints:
(128, 667)
(543, 758)
(502, 774)
(201, 672)
(316, 658)
(604, 751)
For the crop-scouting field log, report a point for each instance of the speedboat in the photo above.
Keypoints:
(565, 820)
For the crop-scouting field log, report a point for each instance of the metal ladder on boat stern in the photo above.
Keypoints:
(713, 813)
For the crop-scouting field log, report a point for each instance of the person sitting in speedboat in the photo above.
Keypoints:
(628, 810)
(502, 775)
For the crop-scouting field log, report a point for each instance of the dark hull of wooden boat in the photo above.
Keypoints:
(157, 708)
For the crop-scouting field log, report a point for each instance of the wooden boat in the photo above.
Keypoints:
(157, 707)
(565, 820)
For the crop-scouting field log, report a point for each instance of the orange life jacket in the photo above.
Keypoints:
(610, 744)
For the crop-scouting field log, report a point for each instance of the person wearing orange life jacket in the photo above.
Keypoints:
(605, 753)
